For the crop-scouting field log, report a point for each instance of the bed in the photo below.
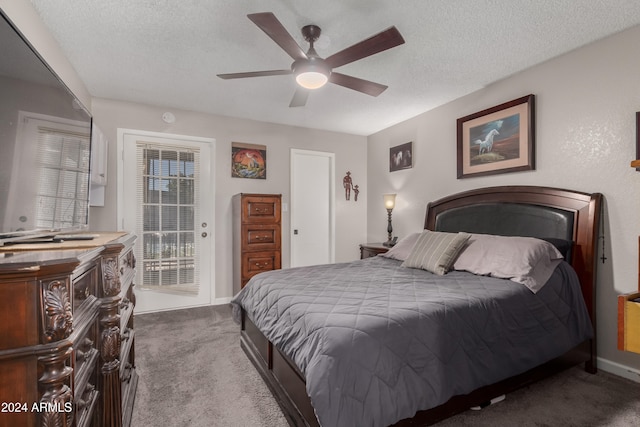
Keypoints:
(373, 342)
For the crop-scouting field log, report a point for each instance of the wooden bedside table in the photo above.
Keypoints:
(372, 249)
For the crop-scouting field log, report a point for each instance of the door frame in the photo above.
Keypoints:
(332, 200)
(121, 133)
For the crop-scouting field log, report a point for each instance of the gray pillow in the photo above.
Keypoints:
(436, 251)
(402, 249)
(525, 260)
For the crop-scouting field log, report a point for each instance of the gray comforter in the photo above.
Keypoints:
(377, 342)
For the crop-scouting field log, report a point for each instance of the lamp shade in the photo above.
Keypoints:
(389, 201)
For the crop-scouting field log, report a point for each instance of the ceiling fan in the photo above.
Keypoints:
(312, 71)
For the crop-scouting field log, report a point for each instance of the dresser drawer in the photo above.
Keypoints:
(127, 338)
(85, 366)
(261, 209)
(86, 404)
(261, 236)
(126, 312)
(86, 357)
(257, 262)
(83, 287)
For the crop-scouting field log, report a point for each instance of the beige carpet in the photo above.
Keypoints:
(194, 374)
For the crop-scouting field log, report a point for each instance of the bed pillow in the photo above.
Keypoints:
(436, 251)
(525, 260)
(402, 249)
(562, 245)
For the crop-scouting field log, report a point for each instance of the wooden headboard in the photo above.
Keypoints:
(533, 212)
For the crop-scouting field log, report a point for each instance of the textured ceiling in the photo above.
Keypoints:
(168, 52)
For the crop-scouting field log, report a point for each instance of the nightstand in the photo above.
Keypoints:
(372, 249)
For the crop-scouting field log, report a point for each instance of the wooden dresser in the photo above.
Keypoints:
(256, 236)
(66, 333)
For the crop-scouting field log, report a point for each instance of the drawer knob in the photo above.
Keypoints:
(124, 303)
(81, 404)
(128, 371)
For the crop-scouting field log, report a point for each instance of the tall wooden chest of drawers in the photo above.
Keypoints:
(66, 333)
(256, 236)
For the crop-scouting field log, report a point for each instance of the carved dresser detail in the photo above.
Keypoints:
(66, 333)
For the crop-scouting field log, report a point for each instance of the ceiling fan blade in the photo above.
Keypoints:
(254, 74)
(268, 23)
(361, 85)
(384, 40)
(299, 97)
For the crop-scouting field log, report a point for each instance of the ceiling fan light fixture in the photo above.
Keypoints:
(311, 73)
(312, 79)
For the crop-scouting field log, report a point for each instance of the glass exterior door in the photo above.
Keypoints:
(163, 204)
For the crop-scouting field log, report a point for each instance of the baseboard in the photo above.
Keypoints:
(221, 301)
(619, 370)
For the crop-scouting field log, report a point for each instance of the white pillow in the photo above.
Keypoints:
(435, 251)
(402, 249)
(525, 260)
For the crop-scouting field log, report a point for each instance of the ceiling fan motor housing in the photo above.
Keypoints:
(311, 33)
(311, 65)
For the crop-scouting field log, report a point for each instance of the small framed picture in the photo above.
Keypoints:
(248, 161)
(497, 140)
(401, 157)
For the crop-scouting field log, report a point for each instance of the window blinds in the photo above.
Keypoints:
(167, 215)
(63, 184)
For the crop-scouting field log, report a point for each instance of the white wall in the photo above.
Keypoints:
(585, 123)
(24, 16)
(350, 154)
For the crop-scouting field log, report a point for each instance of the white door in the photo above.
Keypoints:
(166, 199)
(312, 208)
